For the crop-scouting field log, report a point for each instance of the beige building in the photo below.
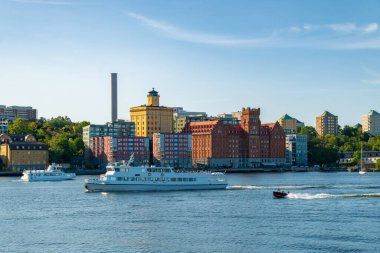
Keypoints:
(371, 123)
(288, 123)
(327, 123)
(152, 118)
(19, 152)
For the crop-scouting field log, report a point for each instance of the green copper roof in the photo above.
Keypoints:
(373, 113)
(326, 113)
(286, 116)
(153, 93)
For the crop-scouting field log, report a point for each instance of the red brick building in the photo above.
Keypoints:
(115, 149)
(172, 149)
(250, 144)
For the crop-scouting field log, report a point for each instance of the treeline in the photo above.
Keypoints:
(324, 150)
(64, 137)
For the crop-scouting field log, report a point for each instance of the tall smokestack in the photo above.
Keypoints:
(113, 97)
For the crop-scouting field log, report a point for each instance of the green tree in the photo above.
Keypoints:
(19, 126)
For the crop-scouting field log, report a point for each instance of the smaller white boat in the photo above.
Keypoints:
(52, 173)
(362, 171)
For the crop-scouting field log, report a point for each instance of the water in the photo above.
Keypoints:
(325, 212)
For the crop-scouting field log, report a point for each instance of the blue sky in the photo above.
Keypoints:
(294, 57)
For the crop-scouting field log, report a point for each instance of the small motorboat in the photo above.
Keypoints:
(280, 194)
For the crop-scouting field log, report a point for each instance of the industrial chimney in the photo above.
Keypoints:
(113, 97)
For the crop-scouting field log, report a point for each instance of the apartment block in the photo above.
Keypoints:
(296, 149)
(108, 149)
(113, 129)
(327, 123)
(172, 149)
(371, 123)
(23, 112)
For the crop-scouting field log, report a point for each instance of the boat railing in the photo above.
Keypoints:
(92, 180)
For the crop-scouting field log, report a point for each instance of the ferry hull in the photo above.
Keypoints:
(104, 187)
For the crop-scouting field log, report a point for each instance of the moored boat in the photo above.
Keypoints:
(52, 173)
(123, 177)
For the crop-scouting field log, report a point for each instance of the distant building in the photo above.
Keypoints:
(172, 150)
(180, 122)
(327, 123)
(369, 158)
(296, 149)
(4, 123)
(152, 118)
(181, 117)
(113, 129)
(371, 123)
(23, 112)
(119, 148)
(180, 112)
(248, 144)
(228, 118)
(288, 123)
(19, 152)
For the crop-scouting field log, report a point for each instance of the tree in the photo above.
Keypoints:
(19, 126)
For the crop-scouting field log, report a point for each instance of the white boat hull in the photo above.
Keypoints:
(33, 178)
(107, 187)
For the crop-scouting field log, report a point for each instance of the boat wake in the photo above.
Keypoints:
(325, 195)
(300, 187)
(282, 187)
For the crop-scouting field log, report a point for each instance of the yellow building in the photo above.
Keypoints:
(288, 123)
(152, 118)
(327, 123)
(19, 152)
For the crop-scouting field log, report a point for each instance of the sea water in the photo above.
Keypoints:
(324, 212)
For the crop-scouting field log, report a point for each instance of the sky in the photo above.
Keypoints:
(296, 57)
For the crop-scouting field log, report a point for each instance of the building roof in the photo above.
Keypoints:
(373, 113)
(286, 116)
(269, 125)
(153, 93)
(27, 146)
(326, 113)
(202, 123)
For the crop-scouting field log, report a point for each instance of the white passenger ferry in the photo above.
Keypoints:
(128, 178)
(52, 173)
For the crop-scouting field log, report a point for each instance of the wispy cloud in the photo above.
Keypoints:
(340, 28)
(344, 36)
(195, 37)
(46, 2)
(375, 77)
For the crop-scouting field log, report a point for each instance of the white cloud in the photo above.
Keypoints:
(375, 81)
(347, 36)
(183, 35)
(371, 28)
(48, 2)
(375, 77)
(348, 27)
(295, 29)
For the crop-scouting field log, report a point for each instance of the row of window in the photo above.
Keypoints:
(153, 179)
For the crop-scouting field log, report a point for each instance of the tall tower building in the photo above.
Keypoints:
(250, 123)
(113, 97)
(152, 118)
(371, 123)
(327, 123)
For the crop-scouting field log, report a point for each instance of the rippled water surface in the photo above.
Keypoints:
(324, 212)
